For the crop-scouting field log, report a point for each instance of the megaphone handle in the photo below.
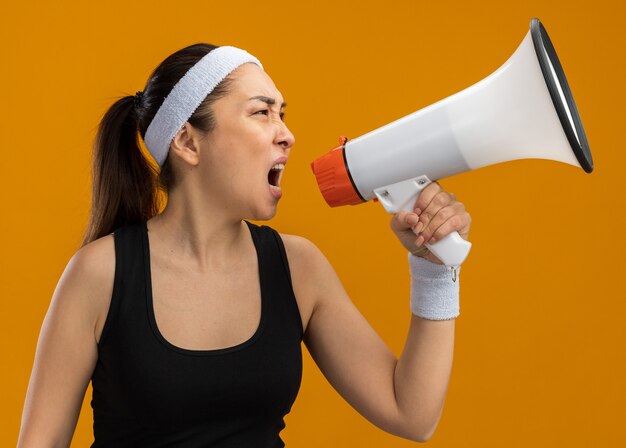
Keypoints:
(452, 250)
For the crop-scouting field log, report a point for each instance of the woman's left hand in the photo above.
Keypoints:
(436, 213)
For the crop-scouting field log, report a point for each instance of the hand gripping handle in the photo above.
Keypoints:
(452, 250)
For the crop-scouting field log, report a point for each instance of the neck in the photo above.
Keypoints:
(206, 239)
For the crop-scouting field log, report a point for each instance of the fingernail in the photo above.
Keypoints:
(418, 228)
(419, 241)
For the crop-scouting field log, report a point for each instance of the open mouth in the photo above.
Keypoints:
(273, 177)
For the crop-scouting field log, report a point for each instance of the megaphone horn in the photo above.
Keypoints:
(523, 110)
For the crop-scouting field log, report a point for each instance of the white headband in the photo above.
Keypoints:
(188, 93)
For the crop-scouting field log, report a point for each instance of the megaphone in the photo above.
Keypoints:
(523, 110)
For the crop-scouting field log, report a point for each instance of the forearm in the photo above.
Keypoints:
(423, 371)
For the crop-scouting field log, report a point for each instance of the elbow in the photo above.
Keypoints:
(413, 431)
(422, 433)
(421, 437)
(425, 437)
(419, 428)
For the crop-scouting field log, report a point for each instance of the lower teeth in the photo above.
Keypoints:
(274, 187)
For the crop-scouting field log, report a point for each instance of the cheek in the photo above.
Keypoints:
(239, 155)
(239, 169)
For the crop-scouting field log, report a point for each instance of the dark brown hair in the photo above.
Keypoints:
(127, 183)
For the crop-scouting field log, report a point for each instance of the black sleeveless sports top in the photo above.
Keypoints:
(150, 393)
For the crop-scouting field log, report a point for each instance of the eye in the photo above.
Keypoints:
(266, 111)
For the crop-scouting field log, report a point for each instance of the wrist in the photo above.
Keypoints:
(434, 295)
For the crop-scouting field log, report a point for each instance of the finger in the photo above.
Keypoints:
(426, 195)
(404, 220)
(451, 225)
(459, 221)
(436, 221)
(439, 200)
(422, 202)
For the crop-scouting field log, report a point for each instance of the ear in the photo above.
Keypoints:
(185, 145)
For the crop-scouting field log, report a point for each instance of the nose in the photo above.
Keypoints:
(284, 137)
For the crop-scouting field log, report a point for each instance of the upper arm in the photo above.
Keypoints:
(348, 351)
(66, 351)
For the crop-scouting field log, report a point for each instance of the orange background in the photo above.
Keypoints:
(539, 356)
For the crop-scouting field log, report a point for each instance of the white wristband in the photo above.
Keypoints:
(434, 295)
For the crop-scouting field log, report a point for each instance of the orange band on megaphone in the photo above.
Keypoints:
(333, 178)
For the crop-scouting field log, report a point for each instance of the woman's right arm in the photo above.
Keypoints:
(67, 347)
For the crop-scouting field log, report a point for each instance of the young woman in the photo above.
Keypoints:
(189, 322)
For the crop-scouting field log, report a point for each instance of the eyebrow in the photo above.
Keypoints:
(267, 100)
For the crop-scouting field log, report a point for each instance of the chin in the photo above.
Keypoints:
(265, 214)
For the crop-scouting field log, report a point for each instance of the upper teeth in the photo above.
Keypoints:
(279, 166)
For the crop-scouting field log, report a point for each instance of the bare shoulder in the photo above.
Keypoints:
(96, 258)
(307, 265)
(306, 261)
(302, 252)
(88, 280)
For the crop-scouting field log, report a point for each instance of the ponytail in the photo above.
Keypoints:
(124, 182)
(127, 186)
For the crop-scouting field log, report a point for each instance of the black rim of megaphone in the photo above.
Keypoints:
(547, 56)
